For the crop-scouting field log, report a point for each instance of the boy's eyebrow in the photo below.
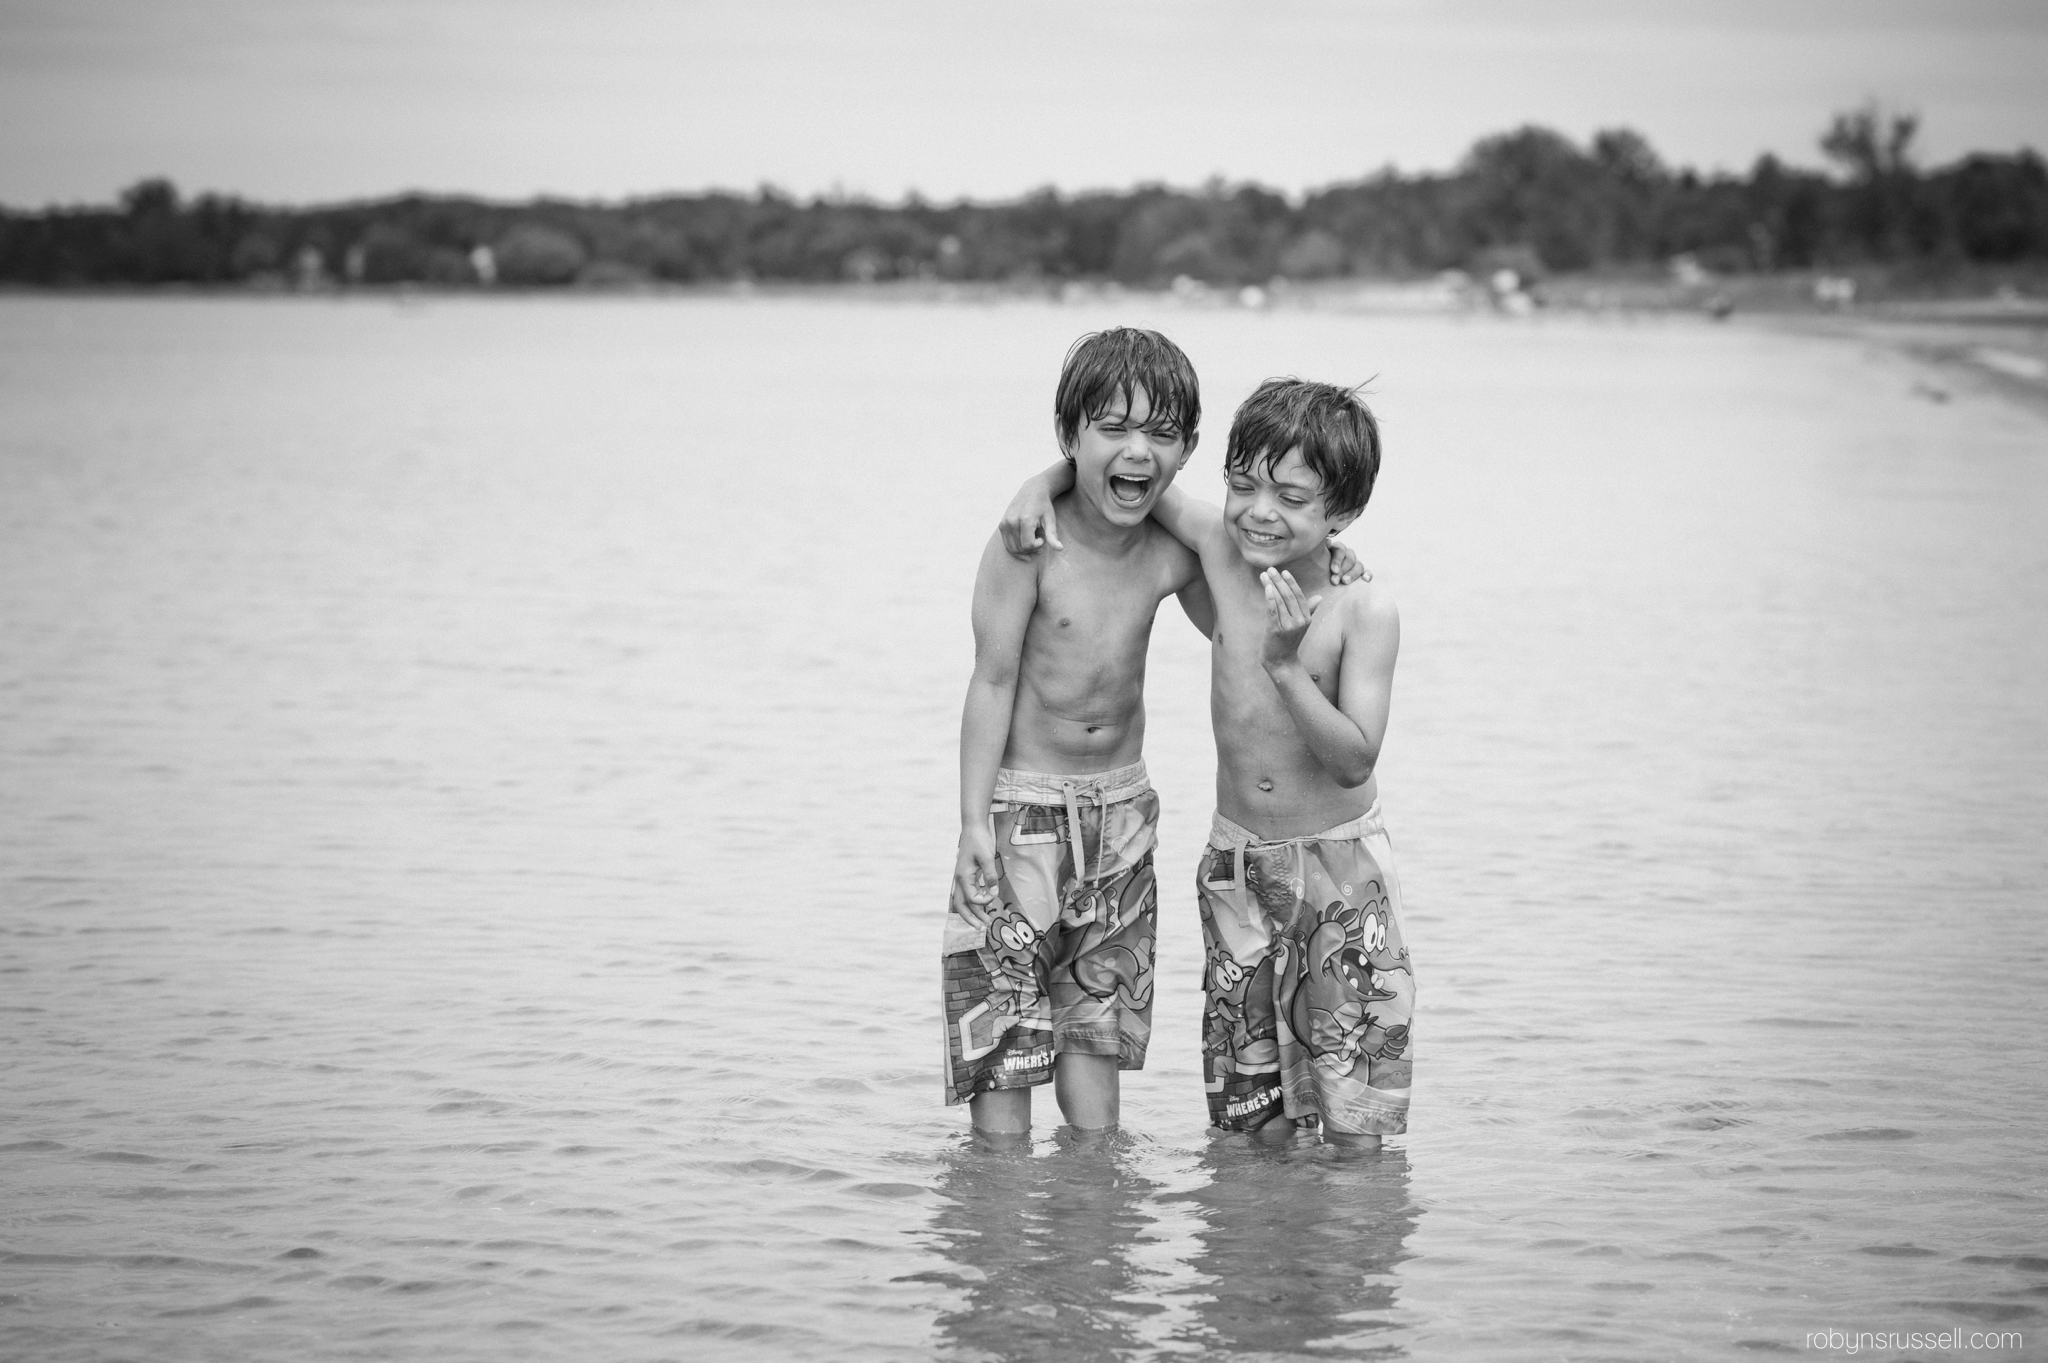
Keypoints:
(1308, 480)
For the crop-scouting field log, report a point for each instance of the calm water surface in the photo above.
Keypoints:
(476, 781)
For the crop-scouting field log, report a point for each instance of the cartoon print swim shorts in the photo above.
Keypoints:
(1308, 991)
(1066, 966)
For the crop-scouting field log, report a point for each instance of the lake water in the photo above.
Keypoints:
(477, 786)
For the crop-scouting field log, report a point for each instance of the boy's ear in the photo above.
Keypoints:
(1059, 438)
(1187, 447)
(1343, 522)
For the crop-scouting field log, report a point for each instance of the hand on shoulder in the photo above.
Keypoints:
(1029, 522)
(1345, 568)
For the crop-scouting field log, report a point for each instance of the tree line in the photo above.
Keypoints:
(1531, 199)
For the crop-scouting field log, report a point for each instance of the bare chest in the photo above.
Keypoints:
(1239, 649)
(1080, 608)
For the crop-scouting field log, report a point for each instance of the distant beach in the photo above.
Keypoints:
(1992, 345)
(1976, 328)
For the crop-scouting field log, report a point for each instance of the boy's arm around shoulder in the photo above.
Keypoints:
(1200, 526)
(1028, 521)
(1005, 593)
(1029, 524)
(1195, 523)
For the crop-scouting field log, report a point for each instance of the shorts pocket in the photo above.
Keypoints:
(1036, 823)
(1219, 868)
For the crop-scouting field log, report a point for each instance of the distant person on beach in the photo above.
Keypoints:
(1308, 987)
(1053, 911)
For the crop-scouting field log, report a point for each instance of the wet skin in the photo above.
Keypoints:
(1286, 638)
(1059, 674)
(1301, 669)
(1081, 683)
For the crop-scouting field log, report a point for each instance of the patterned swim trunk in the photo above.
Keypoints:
(1308, 991)
(1067, 964)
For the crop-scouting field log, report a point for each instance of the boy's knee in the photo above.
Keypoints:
(1095, 1074)
(1087, 1088)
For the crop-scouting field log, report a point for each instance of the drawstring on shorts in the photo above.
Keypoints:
(1102, 789)
(1075, 792)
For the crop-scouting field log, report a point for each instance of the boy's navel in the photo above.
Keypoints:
(1265, 785)
(1064, 622)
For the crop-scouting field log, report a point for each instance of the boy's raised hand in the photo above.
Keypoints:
(976, 870)
(1345, 568)
(1028, 522)
(1287, 617)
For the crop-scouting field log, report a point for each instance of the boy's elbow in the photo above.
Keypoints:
(1356, 771)
(998, 676)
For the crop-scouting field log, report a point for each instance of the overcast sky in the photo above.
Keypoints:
(286, 101)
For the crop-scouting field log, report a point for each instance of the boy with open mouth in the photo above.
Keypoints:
(1309, 991)
(1048, 948)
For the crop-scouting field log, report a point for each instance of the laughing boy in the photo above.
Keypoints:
(1053, 911)
(1309, 989)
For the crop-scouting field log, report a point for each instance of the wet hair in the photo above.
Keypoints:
(1104, 366)
(1338, 436)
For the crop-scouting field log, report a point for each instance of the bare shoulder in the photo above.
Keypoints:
(1003, 574)
(1367, 611)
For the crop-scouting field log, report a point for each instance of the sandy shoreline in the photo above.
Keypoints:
(1978, 347)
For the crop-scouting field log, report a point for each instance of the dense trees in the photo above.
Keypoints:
(1530, 197)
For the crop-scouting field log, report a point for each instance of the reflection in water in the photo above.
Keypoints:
(1042, 1247)
(1100, 1250)
(1299, 1245)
